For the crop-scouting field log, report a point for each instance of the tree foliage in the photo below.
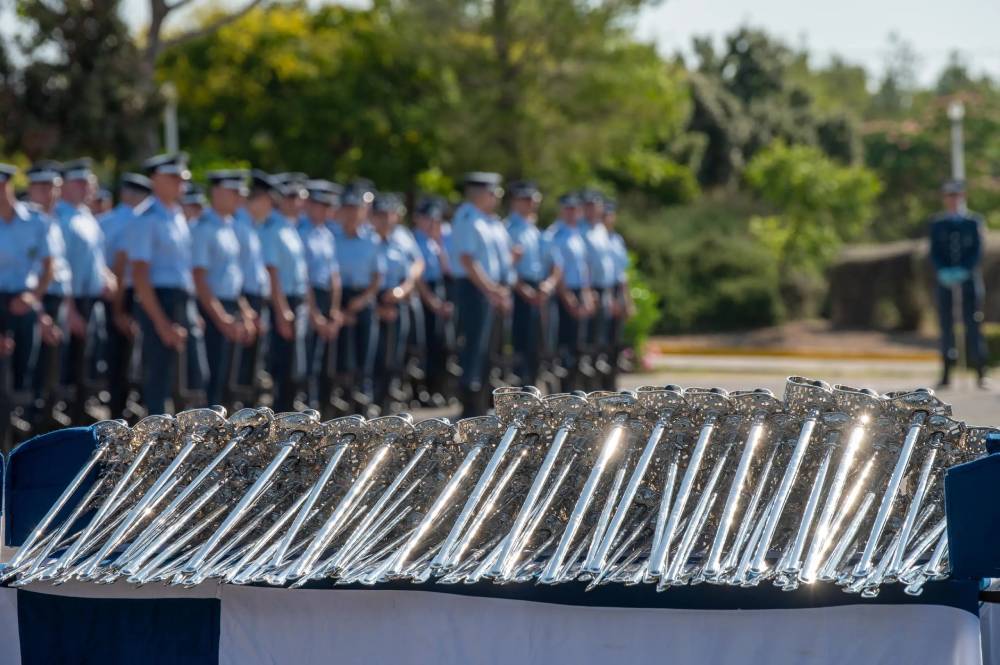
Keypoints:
(80, 91)
(553, 90)
(820, 205)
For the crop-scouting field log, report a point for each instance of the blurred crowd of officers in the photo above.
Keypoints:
(298, 291)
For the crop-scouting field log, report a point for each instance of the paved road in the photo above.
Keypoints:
(979, 407)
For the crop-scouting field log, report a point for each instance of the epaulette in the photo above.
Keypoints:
(144, 206)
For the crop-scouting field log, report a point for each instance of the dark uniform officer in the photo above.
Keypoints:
(92, 282)
(403, 267)
(218, 280)
(362, 271)
(480, 289)
(25, 270)
(285, 258)
(120, 325)
(536, 280)
(160, 253)
(956, 250)
(575, 303)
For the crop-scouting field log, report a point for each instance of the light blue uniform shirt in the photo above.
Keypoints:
(524, 234)
(359, 258)
(84, 249)
(397, 258)
(160, 237)
(448, 245)
(431, 252)
(335, 228)
(114, 223)
(62, 276)
(255, 279)
(504, 250)
(600, 256)
(321, 254)
(217, 250)
(569, 249)
(620, 254)
(284, 251)
(472, 234)
(24, 243)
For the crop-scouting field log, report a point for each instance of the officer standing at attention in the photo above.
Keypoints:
(433, 294)
(575, 301)
(602, 277)
(121, 328)
(193, 202)
(403, 268)
(259, 207)
(25, 271)
(92, 281)
(218, 280)
(324, 300)
(44, 190)
(956, 250)
(479, 287)
(536, 280)
(285, 258)
(255, 284)
(161, 252)
(622, 305)
(292, 195)
(362, 270)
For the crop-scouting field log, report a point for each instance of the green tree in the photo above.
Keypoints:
(79, 90)
(331, 92)
(757, 90)
(819, 206)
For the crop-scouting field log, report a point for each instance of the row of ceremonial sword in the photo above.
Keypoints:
(661, 485)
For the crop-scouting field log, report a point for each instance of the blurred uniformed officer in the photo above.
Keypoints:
(438, 310)
(622, 306)
(160, 253)
(285, 258)
(120, 325)
(415, 353)
(324, 283)
(193, 202)
(403, 268)
(25, 270)
(956, 239)
(102, 201)
(575, 302)
(264, 190)
(479, 287)
(362, 269)
(602, 277)
(536, 280)
(44, 189)
(218, 280)
(92, 280)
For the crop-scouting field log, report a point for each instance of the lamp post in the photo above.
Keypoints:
(956, 112)
(171, 141)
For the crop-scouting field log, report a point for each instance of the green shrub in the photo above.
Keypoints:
(705, 268)
(647, 310)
